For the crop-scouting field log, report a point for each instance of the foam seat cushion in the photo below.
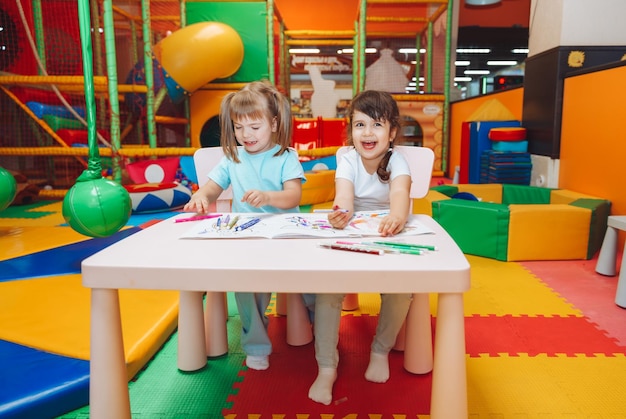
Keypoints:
(479, 228)
(548, 232)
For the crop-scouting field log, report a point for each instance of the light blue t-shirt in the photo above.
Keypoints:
(264, 172)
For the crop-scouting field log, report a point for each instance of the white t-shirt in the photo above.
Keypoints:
(370, 193)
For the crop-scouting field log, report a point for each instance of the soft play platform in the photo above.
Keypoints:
(44, 321)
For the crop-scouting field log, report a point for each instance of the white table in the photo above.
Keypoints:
(607, 258)
(155, 258)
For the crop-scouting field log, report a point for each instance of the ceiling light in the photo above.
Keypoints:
(304, 51)
(473, 51)
(479, 72)
(502, 62)
(351, 51)
(461, 63)
(463, 79)
(411, 50)
(520, 51)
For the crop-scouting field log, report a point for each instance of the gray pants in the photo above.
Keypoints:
(393, 311)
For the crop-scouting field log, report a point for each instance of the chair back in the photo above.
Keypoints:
(204, 160)
(420, 160)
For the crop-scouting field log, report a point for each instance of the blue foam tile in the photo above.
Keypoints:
(36, 384)
(63, 260)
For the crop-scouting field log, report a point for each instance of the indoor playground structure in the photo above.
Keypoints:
(103, 104)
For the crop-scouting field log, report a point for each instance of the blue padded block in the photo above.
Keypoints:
(479, 142)
(36, 384)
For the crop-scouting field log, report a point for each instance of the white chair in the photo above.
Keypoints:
(421, 161)
(216, 314)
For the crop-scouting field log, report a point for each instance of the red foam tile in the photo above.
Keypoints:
(283, 388)
(537, 335)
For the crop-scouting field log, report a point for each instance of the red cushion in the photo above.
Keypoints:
(507, 134)
(153, 171)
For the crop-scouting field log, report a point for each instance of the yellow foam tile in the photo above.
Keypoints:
(26, 240)
(48, 220)
(507, 288)
(559, 387)
(53, 314)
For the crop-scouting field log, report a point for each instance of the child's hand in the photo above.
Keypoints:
(256, 198)
(391, 225)
(339, 218)
(198, 204)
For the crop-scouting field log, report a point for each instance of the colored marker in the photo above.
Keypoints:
(407, 245)
(197, 218)
(247, 224)
(358, 249)
(233, 222)
(385, 248)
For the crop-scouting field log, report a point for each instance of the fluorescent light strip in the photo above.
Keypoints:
(473, 50)
(461, 79)
(477, 72)
(351, 51)
(304, 51)
(461, 63)
(411, 50)
(502, 62)
(520, 51)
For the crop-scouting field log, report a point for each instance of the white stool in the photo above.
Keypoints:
(607, 258)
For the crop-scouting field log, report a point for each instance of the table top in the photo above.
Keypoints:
(617, 221)
(157, 258)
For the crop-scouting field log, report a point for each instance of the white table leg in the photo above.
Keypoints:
(418, 345)
(108, 381)
(215, 318)
(608, 253)
(620, 294)
(191, 349)
(299, 331)
(281, 304)
(449, 388)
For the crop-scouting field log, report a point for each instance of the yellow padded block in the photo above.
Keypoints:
(425, 205)
(485, 192)
(564, 196)
(548, 232)
(318, 188)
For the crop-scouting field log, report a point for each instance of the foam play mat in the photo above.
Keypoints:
(543, 339)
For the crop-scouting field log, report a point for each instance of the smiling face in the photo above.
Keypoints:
(371, 138)
(254, 134)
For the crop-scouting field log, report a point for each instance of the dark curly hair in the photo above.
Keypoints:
(379, 106)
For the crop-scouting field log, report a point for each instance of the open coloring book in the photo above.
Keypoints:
(294, 225)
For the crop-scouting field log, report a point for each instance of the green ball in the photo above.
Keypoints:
(97, 208)
(8, 188)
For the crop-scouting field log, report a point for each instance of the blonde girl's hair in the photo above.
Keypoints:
(258, 99)
(380, 106)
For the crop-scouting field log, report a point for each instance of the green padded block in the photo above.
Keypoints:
(249, 20)
(479, 228)
(57, 123)
(522, 194)
(600, 211)
(447, 190)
